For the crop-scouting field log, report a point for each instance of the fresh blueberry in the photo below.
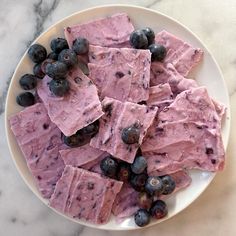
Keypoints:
(138, 181)
(53, 56)
(109, 166)
(158, 209)
(92, 129)
(37, 53)
(68, 57)
(28, 81)
(138, 39)
(38, 71)
(58, 44)
(142, 218)
(75, 140)
(56, 70)
(80, 46)
(25, 99)
(154, 186)
(158, 52)
(45, 63)
(124, 172)
(130, 135)
(139, 165)
(59, 87)
(149, 34)
(168, 184)
(145, 200)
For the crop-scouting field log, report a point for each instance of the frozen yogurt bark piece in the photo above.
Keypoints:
(180, 54)
(112, 31)
(160, 94)
(79, 108)
(120, 73)
(85, 195)
(86, 157)
(187, 134)
(118, 116)
(94, 166)
(126, 202)
(40, 142)
(161, 73)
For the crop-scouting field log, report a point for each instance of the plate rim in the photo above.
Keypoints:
(6, 116)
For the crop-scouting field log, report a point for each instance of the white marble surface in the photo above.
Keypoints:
(21, 213)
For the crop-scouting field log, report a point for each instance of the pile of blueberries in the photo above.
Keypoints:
(56, 65)
(149, 187)
(145, 39)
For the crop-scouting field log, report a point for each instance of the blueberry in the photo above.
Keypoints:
(158, 52)
(124, 172)
(25, 99)
(92, 129)
(58, 44)
(138, 181)
(56, 70)
(109, 166)
(68, 57)
(154, 186)
(28, 81)
(45, 63)
(38, 71)
(149, 34)
(168, 184)
(158, 209)
(139, 165)
(75, 140)
(145, 200)
(138, 39)
(37, 53)
(142, 218)
(53, 56)
(59, 87)
(130, 135)
(80, 46)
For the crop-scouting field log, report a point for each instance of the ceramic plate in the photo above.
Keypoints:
(207, 73)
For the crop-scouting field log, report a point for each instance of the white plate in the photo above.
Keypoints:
(208, 74)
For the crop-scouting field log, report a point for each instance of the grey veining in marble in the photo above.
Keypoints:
(21, 213)
(43, 9)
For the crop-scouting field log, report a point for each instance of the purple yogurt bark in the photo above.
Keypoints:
(94, 166)
(180, 54)
(159, 95)
(112, 31)
(220, 109)
(118, 116)
(168, 74)
(79, 108)
(126, 202)
(187, 134)
(40, 142)
(80, 156)
(86, 157)
(120, 73)
(85, 195)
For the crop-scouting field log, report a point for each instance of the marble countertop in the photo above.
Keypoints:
(213, 213)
